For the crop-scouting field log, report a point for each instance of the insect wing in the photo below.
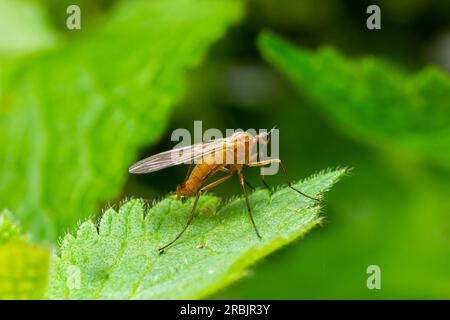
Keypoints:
(189, 154)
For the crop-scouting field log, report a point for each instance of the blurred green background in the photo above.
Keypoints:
(394, 209)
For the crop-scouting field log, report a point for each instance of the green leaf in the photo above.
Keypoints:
(370, 99)
(23, 266)
(23, 27)
(119, 260)
(72, 119)
(9, 229)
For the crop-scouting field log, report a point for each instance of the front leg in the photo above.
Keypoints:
(288, 181)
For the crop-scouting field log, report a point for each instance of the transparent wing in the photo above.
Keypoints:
(188, 154)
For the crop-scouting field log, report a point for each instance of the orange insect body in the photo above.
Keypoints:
(200, 173)
(238, 147)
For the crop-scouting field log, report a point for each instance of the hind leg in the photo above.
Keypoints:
(191, 215)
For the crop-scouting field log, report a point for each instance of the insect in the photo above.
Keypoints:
(227, 155)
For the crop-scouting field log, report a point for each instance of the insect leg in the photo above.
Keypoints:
(249, 185)
(188, 172)
(288, 181)
(226, 170)
(242, 180)
(191, 215)
(263, 178)
(264, 181)
(253, 160)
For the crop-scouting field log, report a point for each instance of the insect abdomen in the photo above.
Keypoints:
(199, 174)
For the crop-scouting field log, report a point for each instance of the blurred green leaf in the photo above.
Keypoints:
(23, 267)
(120, 260)
(371, 100)
(23, 27)
(9, 230)
(72, 119)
